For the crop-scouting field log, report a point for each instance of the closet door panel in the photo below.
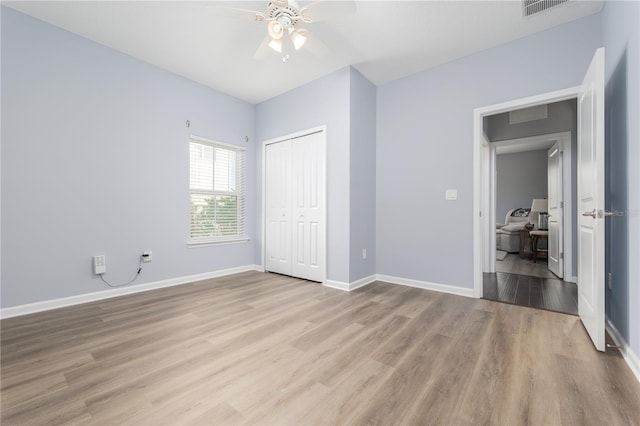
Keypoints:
(308, 179)
(278, 208)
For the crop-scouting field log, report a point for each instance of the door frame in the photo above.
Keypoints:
(483, 162)
(263, 204)
(488, 197)
(564, 140)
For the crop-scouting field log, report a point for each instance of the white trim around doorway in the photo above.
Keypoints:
(480, 163)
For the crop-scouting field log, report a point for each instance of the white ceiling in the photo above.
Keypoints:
(384, 40)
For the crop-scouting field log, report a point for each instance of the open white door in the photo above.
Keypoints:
(591, 201)
(555, 205)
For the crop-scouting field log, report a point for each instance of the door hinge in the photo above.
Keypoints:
(561, 204)
(561, 255)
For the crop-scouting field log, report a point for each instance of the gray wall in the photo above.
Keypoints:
(345, 102)
(321, 102)
(425, 137)
(621, 36)
(363, 177)
(95, 160)
(520, 177)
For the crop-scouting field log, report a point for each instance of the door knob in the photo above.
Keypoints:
(602, 213)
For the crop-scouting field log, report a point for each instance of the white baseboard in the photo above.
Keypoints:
(425, 285)
(362, 282)
(116, 292)
(338, 285)
(47, 305)
(341, 285)
(629, 356)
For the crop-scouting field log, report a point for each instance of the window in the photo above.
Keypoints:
(216, 186)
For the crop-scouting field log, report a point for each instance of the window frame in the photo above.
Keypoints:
(240, 166)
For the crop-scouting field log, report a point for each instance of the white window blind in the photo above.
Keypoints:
(216, 185)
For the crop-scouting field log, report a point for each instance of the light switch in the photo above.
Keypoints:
(451, 194)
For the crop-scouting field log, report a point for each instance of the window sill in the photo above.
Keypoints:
(218, 243)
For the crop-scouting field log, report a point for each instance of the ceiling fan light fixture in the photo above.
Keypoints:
(298, 39)
(276, 30)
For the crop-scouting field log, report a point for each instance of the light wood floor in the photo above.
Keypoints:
(265, 349)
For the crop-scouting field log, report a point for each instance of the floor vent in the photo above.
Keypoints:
(533, 7)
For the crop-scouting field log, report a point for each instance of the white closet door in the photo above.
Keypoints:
(308, 231)
(295, 229)
(278, 207)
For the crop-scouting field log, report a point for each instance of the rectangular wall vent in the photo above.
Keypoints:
(532, 7)
(528, 114)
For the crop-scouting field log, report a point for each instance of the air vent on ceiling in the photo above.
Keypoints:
(528, 114)
(532, 7)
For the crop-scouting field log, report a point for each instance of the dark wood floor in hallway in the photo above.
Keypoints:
(522, 282)
(535, 292)
(258, 348)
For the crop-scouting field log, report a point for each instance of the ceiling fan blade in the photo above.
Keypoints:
(314, 45)
(232, 12)
(323, 10)
(263, 50)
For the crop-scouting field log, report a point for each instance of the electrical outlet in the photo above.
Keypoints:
(609, 281)
(147, 256)
(99, 265)
(364, 254)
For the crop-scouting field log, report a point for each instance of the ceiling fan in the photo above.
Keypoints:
(285, 20)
